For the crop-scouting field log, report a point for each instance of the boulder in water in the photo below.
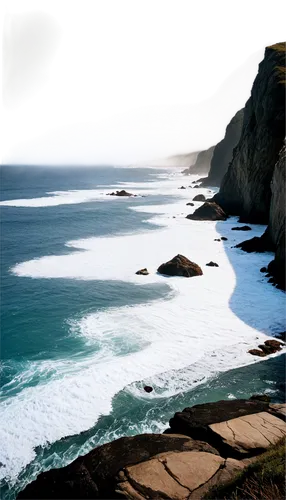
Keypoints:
(143, 271)
(180, 266)
(208, 211)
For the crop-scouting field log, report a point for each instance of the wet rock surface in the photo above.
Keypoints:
(180, 266)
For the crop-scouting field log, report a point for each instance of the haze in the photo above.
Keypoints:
(144, 134)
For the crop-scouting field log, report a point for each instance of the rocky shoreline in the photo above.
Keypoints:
(205, 446)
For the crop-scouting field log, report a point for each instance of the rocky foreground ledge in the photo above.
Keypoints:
(206, 446)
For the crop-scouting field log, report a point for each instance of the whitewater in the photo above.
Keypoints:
(204, 326)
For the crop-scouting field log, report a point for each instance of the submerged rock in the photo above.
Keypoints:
(208, 211)
(180, 266)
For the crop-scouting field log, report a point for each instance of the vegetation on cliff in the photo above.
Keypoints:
(264, 479)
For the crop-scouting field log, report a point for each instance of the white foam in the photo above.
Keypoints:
(74, 196)
(204, 327)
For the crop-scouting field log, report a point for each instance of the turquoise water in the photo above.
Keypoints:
(37, 315)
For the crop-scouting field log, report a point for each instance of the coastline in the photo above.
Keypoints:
(203, 298)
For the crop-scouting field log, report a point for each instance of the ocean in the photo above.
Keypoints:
(81, 333)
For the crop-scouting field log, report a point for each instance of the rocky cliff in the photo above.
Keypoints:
(254, 185)
(202, 164)
(275, 231)
(223, 151)
(245, 188)
(205, 446)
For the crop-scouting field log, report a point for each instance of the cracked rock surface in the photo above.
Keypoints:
(250, 434)
(225, 437)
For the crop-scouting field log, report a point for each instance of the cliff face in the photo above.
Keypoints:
(245, 189)
(203, 162)
(277, 219)
(223, 151)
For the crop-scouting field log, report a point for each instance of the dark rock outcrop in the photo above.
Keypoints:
(143, 272)
(212, 264)
(241, 228)
(190, 204)
(121, 193)
(199, 197)
(148, 388)
(223, 151)
(223, 238)
(180, 266)
(208, 211)
(245, 189)
(256, 244)
(257, 352)
(173, 466)
(260, 397)
(275, 231)
(269, 347)
(94, 475)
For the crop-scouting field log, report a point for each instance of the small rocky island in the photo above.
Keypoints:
(121, 193)
(180, 266)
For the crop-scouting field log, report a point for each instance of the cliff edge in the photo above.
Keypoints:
(254, 185)
(245, 189)
(223, 151)
(206, 446)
